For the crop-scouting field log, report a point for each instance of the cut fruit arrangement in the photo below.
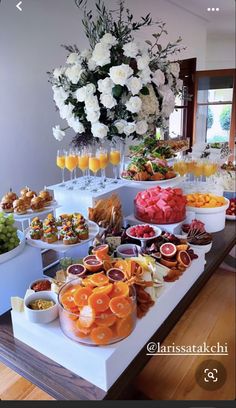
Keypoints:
(173, 253)
(160, 205)
(142, 231)
(102, 313)
(200, 200)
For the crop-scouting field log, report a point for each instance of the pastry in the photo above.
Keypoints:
(7, 205)
(37, 204)
(36, 228)
(63, 219)
(46, 196)
(50, 222)
(50, 236)
(82, 231)
(70, 238)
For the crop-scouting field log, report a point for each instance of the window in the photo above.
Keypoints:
(214, 118)
(181, 120)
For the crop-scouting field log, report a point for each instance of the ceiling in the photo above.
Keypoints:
(217, 22)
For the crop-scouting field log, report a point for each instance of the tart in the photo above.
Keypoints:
(50, 236)
(70, 238)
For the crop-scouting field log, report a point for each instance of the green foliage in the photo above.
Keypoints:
(210, 118)
(225, 118)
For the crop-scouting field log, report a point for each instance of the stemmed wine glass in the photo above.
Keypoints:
(71, 161)
(83, 164)
(61, 165)
(115, 158)
(94, 166)
(102, 154)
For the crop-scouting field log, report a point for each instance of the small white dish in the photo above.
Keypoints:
(39, 280)
(126, 247)
(203, 248)
(41, 316)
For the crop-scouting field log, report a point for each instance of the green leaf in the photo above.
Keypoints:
(144, 91)
(117, 91)
(148, 42)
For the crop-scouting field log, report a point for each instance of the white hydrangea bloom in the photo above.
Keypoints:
(131, 49)
(74, 73)
(76, 125)
(130, 128)
(134, 104)
(58, 133)
(143, 62)
(120, 74)
(101, 54)
(145, 76)
(93, 116)
(141, 127)
(109, 39)
(58, 72)
(91, 103)
(134, 85)
(66, 111)
(105, 85)
(99, 130)
(120, 125)
(73, 58)
(108, 101)
(158, 77)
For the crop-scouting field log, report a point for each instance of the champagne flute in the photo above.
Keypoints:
(115, 158)
(94, 166)
(61, 165)
(102, 154)
(83, 164)
(71, 161)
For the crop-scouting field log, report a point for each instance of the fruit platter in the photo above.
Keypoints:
(59, 234)
(12, 241)
(160, 205)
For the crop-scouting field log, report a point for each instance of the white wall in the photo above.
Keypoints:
(29, 47)
(220, 51)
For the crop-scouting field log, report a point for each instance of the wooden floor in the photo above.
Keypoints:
(210, 318)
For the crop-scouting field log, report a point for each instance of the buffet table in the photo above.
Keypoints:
(62, 383)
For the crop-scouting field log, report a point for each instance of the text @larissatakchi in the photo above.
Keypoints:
(158, 349)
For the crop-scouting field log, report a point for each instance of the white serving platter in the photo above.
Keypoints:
(16, 251)
(58, 245)
(170, 182)
(31, 214)
(102, 366)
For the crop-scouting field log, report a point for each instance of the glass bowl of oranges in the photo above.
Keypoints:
(97, 311)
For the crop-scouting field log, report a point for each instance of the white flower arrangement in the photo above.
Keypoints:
(118, 87)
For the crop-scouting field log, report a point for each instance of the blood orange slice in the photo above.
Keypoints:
(115, 274)
(169, 263)
(102, 249)
(184, 259)
(168, 249)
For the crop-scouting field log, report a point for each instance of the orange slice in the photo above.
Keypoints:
(124, 327)
(87, 317)
(120, 289)
(87, 283)
(182, 247)
(101, 335)
(105, 319)
(99, 302)
(121, 264)
(81, 296)
(168, 263)
(107, 265)
(99, 279)
(80, 327)
(120, 306)
(104, 289)
(68, 302)
(101, 250)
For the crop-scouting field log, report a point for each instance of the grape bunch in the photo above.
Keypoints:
(8, 234)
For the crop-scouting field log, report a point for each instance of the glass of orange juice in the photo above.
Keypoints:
(94, 166)
(115, 158)
(102, 154)
(71, 161)
(61, 165)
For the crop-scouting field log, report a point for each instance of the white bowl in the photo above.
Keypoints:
(41, 316)
(157, 231)
(127, 246)
(213, 218)
(39, 280)
(203, 248)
